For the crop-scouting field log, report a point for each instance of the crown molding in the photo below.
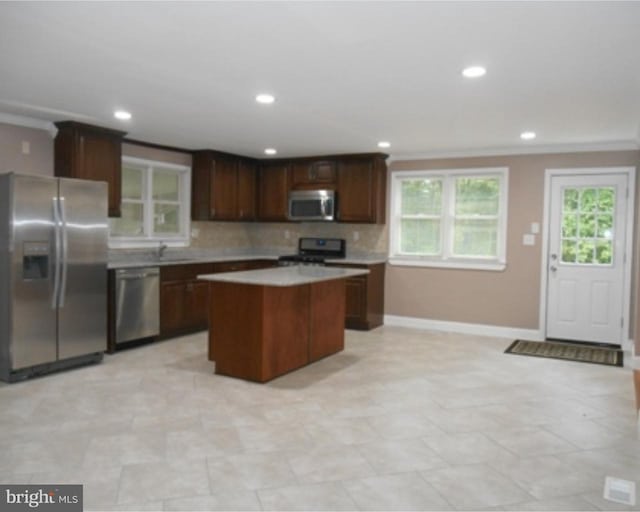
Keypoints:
(623, 145)
(29, 122)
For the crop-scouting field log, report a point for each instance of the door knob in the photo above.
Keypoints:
(553, 268)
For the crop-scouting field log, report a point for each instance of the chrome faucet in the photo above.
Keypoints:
(161, 248)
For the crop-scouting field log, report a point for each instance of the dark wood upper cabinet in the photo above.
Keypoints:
(361, 188)
(222, 187)
(273, 191)
(309, 174)
(89, 152)
(247, 175)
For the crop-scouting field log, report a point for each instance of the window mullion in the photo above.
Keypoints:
(449, 213)
(148, 214)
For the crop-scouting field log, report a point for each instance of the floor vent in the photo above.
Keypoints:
(620, 491)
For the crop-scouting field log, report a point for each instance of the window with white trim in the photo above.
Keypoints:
(155, 205)
(449, 218)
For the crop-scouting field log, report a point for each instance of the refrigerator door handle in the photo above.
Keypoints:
(57, 254)
(65, 253)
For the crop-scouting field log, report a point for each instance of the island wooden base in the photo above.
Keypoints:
(261, 332)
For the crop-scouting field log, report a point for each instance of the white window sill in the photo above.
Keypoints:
(493, 266)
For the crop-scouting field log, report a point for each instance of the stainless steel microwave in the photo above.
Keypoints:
(312, 205)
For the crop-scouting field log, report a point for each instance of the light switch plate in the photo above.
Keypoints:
(535, 228)
(620, 491)
(528, 239)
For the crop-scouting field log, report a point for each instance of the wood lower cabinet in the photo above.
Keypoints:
(184, 300)
(89, 152)
(364, 297)
(184, 303)
(261, 332)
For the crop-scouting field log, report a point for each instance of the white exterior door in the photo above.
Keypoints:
(586, 260)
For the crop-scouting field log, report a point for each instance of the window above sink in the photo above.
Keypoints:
(155, 206)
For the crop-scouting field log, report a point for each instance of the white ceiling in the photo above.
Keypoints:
(345, 74)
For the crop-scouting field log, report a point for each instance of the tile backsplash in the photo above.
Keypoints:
(361, 238)
(220, 235)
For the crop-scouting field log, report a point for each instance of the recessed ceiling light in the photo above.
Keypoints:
(265, 98)
(474, 71)
(384, 144)
(123, 115)
(270, 151)
(528, 135)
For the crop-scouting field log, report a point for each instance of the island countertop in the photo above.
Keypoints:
(284, 276)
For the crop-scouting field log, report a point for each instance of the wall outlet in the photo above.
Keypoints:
(356, 236)
(26, 147)
(287, 234)
(529, 239)
(195, 232)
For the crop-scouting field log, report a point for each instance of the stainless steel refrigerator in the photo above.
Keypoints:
(53, 274)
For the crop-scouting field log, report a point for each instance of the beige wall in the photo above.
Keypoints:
(510, 298)
(40, 158)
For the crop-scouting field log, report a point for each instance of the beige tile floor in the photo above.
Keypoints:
(401, 420)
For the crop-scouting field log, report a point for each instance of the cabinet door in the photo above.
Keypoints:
(90, 152)
(201, 171)
(356, 303)
(223, 189)
(172, 304)
(362, 185)
(313, 174)
(246, 196)
(273, 191)
(355, 191)
(196, 305)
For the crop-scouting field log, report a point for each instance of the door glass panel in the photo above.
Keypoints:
(166, 185)
(587, 225)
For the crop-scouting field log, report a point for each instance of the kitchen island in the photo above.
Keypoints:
(265, 323)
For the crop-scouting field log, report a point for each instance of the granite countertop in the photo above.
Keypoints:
(284, 276)
(186, 259)
(186, 256)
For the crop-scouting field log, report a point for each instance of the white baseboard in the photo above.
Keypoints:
(464, 328)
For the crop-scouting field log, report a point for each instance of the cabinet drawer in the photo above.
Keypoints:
(236, 266)
(185, 271)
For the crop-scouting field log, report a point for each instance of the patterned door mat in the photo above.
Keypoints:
(567, 351)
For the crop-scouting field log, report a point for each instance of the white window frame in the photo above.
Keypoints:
(149, 238)
(447, 259)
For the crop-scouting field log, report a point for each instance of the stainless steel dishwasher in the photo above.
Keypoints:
(137, 303)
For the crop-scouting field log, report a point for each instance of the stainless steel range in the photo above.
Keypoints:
(314, 251)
